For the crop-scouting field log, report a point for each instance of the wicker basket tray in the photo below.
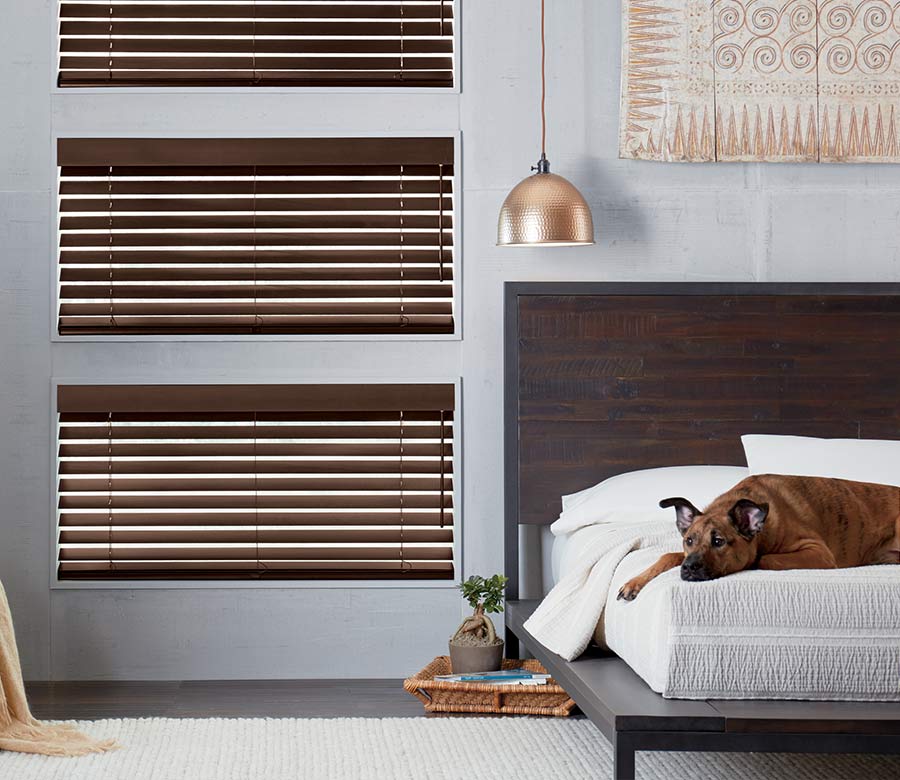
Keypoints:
(440, 696)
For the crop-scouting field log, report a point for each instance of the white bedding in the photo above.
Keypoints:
(754, 635)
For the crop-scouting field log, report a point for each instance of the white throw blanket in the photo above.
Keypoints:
(566, 619)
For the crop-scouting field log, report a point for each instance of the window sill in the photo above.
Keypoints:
(62, 585)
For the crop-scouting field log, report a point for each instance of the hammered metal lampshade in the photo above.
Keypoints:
(545, 209)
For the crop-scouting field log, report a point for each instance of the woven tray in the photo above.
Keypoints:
(440, 696)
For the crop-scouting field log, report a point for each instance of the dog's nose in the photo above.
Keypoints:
(692, 563)
(694, 569)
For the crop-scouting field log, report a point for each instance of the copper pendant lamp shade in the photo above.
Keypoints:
(545, 209)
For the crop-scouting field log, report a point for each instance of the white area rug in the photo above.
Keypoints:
(401, 749)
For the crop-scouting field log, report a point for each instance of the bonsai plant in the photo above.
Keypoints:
(475, 646)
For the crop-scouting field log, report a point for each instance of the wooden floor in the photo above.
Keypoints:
(223, 699)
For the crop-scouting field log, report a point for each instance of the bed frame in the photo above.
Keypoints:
(601, 379)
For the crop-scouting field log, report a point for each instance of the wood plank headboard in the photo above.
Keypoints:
(607, 378)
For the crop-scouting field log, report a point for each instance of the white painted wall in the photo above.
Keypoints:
(654, 222)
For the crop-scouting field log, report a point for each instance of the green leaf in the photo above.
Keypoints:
(486, 592)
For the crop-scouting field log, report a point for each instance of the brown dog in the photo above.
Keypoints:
(777, 522)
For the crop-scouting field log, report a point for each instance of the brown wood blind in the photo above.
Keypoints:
(271, 43)
(255, 482)
(256, 236)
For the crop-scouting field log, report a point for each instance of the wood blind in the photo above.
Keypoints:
(271, 43)
(256, 482)
(255, 236)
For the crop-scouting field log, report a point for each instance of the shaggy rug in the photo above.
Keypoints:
(402, 749)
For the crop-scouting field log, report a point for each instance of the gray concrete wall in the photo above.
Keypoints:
(654, 222)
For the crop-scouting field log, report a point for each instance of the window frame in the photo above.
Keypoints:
(456, 89)
(450, 584)
(457, 335)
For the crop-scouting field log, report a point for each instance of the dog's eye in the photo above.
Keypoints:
(718, 541)
(689, 541)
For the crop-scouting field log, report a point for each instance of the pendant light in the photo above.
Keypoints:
(545, 209)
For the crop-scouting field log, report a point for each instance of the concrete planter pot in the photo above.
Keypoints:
(465, 658)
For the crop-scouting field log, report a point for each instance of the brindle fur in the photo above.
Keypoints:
(808, 523)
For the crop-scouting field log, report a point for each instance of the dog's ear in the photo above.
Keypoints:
(748, 517)
(685, 512)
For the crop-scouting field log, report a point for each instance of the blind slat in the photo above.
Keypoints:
(380, 411)
(249, 552)
(216, 239)
(208, 400)
(177, 481)
(193, 501)
(262, 28)
(274, 159)
(363, 216)
(304, 46)
(265, 536)
(279, 155)
(258, 77)
(250, 431)
(325, 326)
(149, 467)
(263, 65)
(246, 570)
(170, 484)
(126, 291)
(247, 274)
(259, 11)
(186, 222)
(261, 519)
(389, 205)
(263, 257)
(241, 187)
(232, 311)
(243, 450)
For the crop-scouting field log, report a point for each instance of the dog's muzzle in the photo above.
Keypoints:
(693, 569)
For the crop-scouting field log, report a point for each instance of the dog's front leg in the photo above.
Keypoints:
(634, 586)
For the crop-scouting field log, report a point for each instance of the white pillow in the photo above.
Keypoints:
(635, 495)
(860, 460)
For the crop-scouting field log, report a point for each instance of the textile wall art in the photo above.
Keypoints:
(761, 80)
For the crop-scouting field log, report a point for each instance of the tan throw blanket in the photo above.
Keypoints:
(19, 731)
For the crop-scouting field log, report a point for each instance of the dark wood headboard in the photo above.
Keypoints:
(607, 378)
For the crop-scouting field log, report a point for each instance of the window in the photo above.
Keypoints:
(255, 236)
(270, 43)
(255, 482)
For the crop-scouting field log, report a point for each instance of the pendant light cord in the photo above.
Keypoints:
(543, 166)
(543, 81)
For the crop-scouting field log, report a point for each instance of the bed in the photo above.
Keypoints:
(603, 379)
(805, 635)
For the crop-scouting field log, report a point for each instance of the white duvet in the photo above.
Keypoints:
(767, 635)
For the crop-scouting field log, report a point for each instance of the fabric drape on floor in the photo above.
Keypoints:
(19, 731)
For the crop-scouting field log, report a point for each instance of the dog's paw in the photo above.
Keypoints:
(630, 590)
